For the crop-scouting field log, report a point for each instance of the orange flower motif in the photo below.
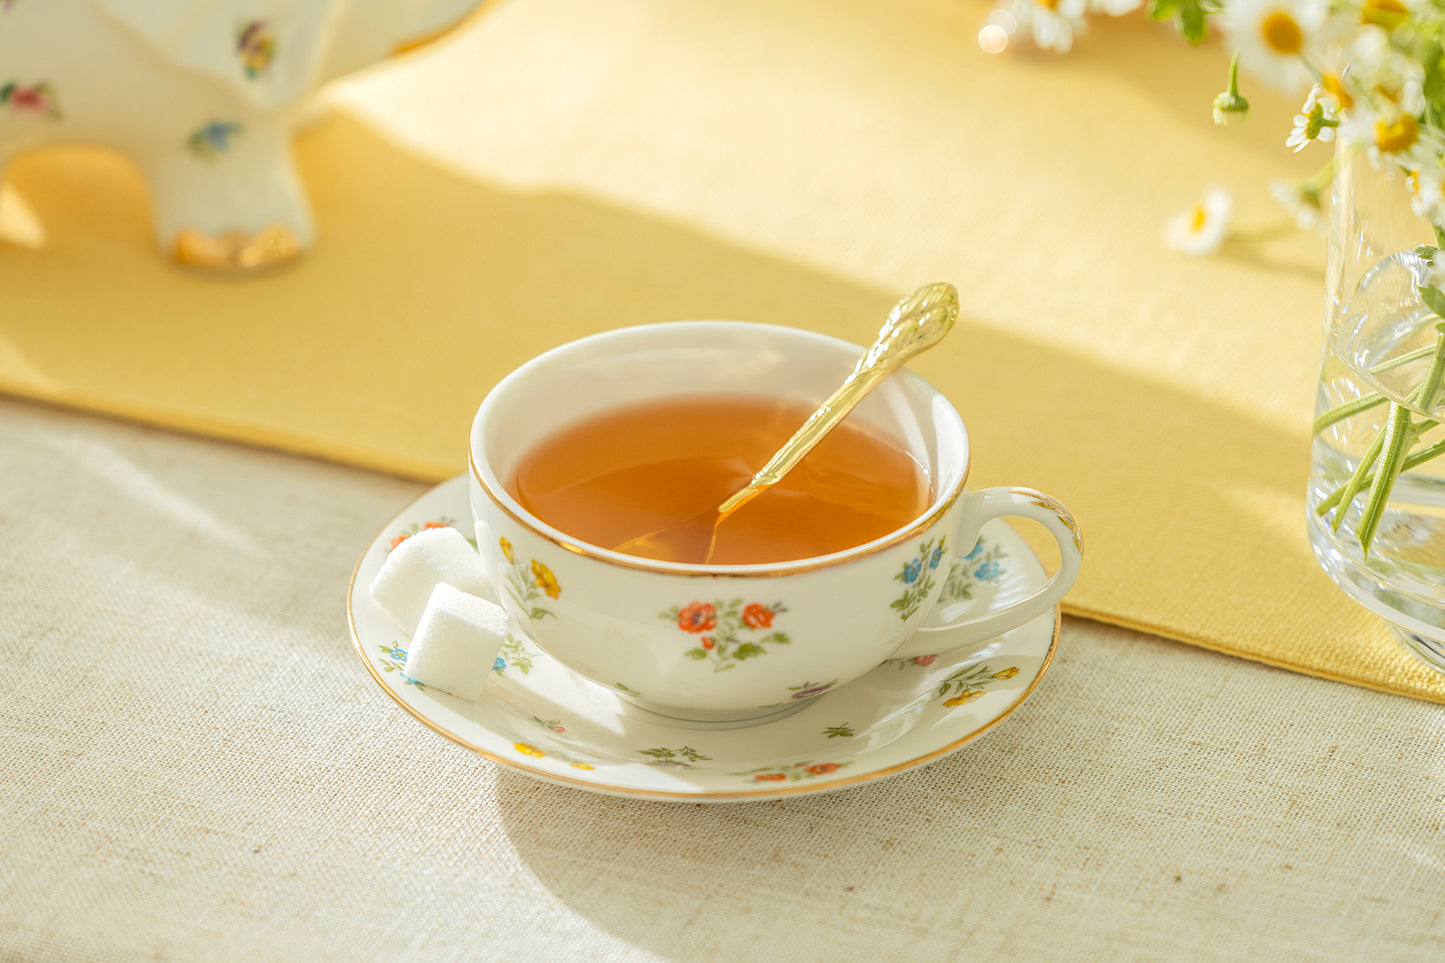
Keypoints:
(527, 750)
(924, 659)
(758, 616)
(960, 699)
(770, 776)
(822, 768)
(697, 617)
(398, 540)
(546, 581)
(506, 549)
(1008, 673)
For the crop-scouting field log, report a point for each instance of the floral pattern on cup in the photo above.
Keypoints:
(728, 632)
(213, 138)
(527, 584)
(255, 47)
(843, 731)
(513, 653)
(393, 659)
(972, 681)
(31, 100)
(983, 564)
(792, 773)
(681, 758)
(917, 577)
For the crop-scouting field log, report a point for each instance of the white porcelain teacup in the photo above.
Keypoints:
(634, 625)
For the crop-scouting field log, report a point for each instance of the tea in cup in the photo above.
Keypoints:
(815, 582)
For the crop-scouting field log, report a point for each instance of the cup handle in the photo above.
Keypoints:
(942, 633)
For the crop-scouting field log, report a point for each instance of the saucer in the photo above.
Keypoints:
(540, 718)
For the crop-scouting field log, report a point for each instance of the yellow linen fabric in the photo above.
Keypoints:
(560, 169)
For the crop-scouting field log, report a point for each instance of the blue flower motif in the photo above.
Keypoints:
(499, 665)
(987, 571)
(977, 548)
(213, 138)
(935, 558)
(398, 654)
(912, 570)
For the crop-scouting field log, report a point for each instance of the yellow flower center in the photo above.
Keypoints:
(1336, 87)
(1386, 13)
(1197, 222)
(1048, 4)
(1395, 137)
(1282, 33)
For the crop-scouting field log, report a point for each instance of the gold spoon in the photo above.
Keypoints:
(916, 323)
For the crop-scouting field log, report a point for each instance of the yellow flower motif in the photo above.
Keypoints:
(506, 549)
(960, 699)
(580, 765)
(1008, 673)
(527, 750)
(546, 581)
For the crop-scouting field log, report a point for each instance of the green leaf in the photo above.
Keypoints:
(1162, 9)
(698, 653)
(1192, 21)
(1434, 299)
(749, 650)
(776, 638)
(1426, 252)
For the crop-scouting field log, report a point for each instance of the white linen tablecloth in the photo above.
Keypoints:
(196, 766)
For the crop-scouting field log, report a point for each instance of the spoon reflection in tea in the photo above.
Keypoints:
(915, 324)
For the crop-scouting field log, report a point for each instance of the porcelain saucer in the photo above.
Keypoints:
(539, 718)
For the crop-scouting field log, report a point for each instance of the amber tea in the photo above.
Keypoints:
(661, 465)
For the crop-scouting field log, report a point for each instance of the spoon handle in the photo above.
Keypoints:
(917, 322)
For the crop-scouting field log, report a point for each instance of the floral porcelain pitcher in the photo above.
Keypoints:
(203, 95)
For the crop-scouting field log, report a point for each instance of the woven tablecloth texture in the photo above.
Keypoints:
(560, 168)
(196, 766)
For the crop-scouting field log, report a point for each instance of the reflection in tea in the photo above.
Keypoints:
(630, 471)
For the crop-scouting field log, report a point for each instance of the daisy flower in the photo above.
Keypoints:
(1201, 229)
(1053, 23)
(1303, 199)
(1385, 72)
(1316, 120)
(1392, 137)
(1272, 37)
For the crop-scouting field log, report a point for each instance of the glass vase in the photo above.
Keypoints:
(1385, 544)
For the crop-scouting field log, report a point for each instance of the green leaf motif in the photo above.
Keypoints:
(697, 653)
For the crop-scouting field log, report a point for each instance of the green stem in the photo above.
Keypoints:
(1398, 438)
(1374, 398)
(1360, 479)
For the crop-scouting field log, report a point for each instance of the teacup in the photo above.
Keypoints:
(636, 626)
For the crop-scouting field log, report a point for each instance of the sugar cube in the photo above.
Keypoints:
(417, 565)
(456, 642)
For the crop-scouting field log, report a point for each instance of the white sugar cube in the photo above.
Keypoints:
(456, 642)
(418, 565)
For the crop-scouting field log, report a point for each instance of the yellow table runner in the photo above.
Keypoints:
(559, 169)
